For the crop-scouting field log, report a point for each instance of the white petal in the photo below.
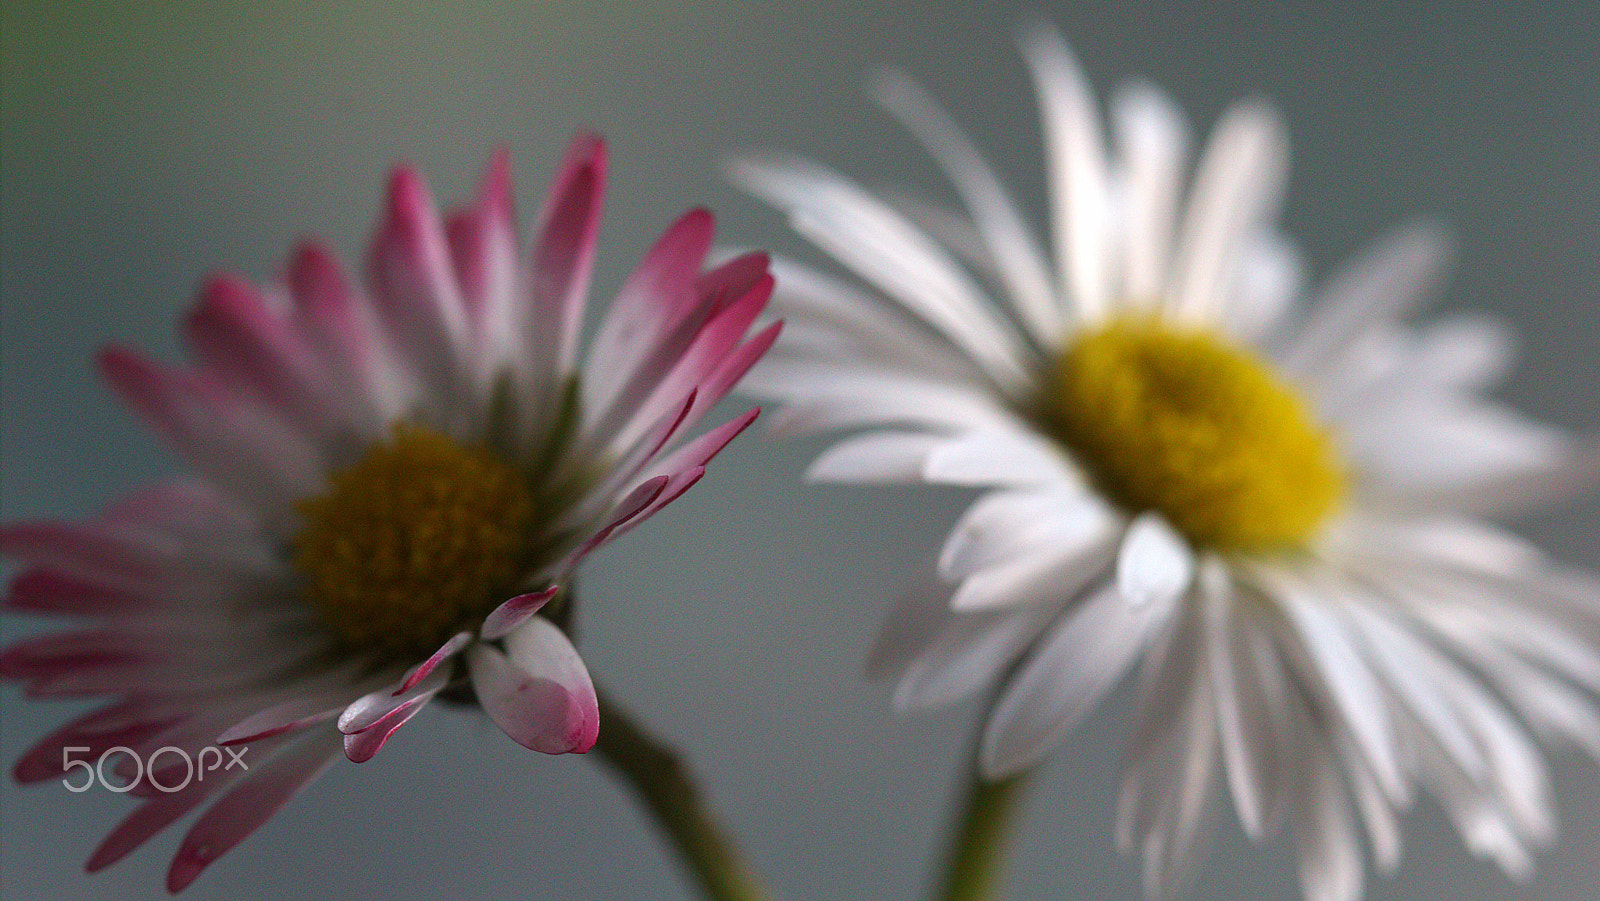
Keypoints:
(1422, 448)
(1045, 575)
(1238, 186)
(861, 320)
(1019, 264)
(1397, 654)
(1154, 141)
(876, 457)
(1004, 524)
(1330, 857)
(1251, 693)
(877, 401)
(1271, 274)
(1383, 832)
(968, 655)
(1079, 660)
(1155, 564)
(912, 626)
(1382, 284)
(1335, 665)
(1077, 172)
(878, 243)
(998, 457)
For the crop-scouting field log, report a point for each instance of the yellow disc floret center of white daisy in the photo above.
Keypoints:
(1179, 421)
(418, 539)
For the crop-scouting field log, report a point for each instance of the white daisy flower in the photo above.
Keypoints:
(1273, 513)
(391, 483)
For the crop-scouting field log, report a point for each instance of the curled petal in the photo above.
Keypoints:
(538, 692)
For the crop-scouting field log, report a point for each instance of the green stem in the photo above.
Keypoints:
(668, 792)
(978, 841)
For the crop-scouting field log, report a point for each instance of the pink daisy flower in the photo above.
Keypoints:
(391, 483)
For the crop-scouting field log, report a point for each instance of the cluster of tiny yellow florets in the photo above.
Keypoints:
(421, 537)
(1179, 421)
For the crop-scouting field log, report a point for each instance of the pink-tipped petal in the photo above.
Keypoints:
(151, 817)
(121, 724)
(701, 450)
(278, 719)
(241, 448)
(675, 488)
(414, 286)
(91, 552)
(67, 652)
(248, 805)
(563, 250)
(370, 709)
(421, 671)
(46, 591)
(637, 500)
(483, 248)
(659, 293)
(247, 344)
(734, 278)
(709, 365)
(538, 691)
(362, 746)
(334, 321)
(515, 612)
(733, 366)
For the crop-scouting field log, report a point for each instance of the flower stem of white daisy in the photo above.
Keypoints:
(667, 790)
(978, 840)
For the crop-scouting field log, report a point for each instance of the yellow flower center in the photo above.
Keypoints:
(1178, 421)
(417, 540)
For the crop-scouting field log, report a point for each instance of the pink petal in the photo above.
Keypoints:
(46, 591)
(563, 250)
(234, 333)
(716, 384)
(735, 278)
(334, 321)
(709, 365)
(515, 612)
(181, 505)
(289, 716)
(414, 285)
(539, 691)
(151, 817)
(676, 486)
(249, 804)
(658, 293)
(362, 746)
(371, 709)
(251, 455)
(89, 552)
(121, 724)
(449, 649)
(701, 450)
(482, 240)
(637, 500)
(61, 652)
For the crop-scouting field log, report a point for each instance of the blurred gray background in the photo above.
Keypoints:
(146, 144)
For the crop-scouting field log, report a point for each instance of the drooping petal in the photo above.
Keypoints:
(249, 804)
(538, 691)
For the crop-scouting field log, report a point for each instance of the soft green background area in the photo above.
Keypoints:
(145, 144)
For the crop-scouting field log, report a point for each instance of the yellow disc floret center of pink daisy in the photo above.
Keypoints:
(420, 538)
(1182, 422)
